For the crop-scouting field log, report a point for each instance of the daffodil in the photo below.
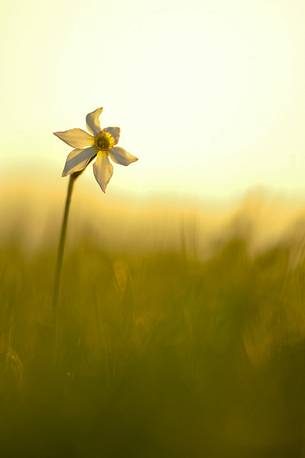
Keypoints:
(100, 145)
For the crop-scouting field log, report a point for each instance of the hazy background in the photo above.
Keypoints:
(209, 94)
(180, 330)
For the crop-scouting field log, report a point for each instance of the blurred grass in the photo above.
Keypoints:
(162, 352)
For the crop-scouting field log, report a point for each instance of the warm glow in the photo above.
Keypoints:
(209, 94)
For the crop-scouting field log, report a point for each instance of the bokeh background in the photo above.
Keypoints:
(181, 320)
(209, 94)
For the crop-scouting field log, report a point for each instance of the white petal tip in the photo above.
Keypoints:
(103, 189)
(135, 159)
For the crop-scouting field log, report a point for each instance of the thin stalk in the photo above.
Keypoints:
(61, 247)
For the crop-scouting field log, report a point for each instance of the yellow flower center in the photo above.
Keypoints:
(104, 141)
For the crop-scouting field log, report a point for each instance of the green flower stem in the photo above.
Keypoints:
(61, 247)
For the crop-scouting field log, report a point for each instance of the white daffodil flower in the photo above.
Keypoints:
(100, 145)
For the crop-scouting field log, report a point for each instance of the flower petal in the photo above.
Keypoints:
(115, 132)
(120, 156)
(93, 121)
(78, 159)
(77, 138)
(103, 169)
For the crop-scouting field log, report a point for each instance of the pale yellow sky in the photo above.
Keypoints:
(210, 94)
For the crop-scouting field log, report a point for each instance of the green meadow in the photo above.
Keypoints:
(164, 350)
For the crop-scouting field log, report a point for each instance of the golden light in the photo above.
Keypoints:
(209, 94)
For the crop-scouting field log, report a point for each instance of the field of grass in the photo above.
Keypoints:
(161, 353)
